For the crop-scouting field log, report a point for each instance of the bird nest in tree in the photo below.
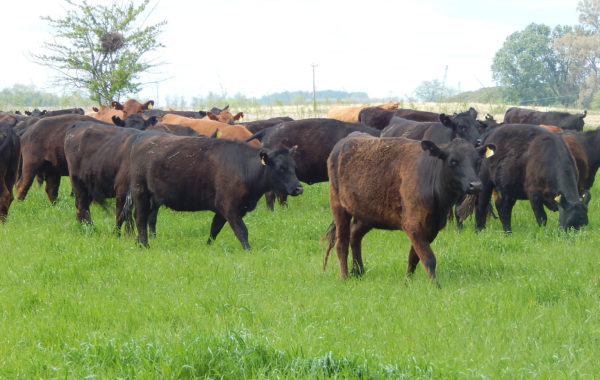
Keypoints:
(112, 42)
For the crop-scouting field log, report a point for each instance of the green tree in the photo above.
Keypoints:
(579, 49)
(433, 91)
(527, 65)
(100, 48)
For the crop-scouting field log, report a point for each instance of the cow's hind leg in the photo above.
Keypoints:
(6, 199)
(413, 261)
(152, 217)
(357, 231)
(215, 227)
(342, 236)
(52, 185)
(239, 229)
(504, 206)
(28, 172)
(142, 210)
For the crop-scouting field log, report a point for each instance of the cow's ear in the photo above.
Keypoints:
(152, 120)
(116, 105)
(238, 116)
(117, 121)
(148, 105)
(586, 197)
(473, 112)
(433, 149)
(226, 108)
(561, 200)
(446, 121)
(28, 113)
(212, 116)
(264, 158)
(487, 151)
(202, 114)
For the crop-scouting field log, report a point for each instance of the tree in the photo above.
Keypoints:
(433, 91)
(579, 49)
(527, 65)
(100, 48)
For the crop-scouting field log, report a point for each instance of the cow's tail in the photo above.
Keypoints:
(258, 135)
(128, 204)
(328, 236)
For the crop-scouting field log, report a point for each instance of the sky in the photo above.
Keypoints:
(259, 47)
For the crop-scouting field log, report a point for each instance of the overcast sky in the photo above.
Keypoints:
(257, 47)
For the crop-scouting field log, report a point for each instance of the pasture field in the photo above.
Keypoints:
(80, 302)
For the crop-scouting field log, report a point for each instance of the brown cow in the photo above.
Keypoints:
(396, 183)
(43, 153)
(224, 116)
(564, 120)
(350, 114)
(132, 106)
(10, 153)
(208, 127)
(105, 114)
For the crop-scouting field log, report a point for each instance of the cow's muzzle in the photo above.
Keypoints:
(474, 187)
(297, 191)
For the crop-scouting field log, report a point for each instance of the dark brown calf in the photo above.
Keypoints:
(397, 184)
(193, 174)
(10, 150)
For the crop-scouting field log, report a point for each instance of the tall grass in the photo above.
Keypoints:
(78, 302)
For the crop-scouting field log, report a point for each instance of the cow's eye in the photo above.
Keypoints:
(453, 162)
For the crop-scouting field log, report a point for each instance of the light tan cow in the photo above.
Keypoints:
(350, 114)
(208, 127)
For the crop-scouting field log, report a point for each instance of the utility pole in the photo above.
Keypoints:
(314, 89)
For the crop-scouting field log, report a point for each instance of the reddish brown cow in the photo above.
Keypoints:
(105, 114)
(10, 151)
(132, 106)
(396, 183)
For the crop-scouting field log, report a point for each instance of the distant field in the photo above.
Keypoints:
(79, 302)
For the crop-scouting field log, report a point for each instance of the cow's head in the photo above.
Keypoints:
(135, 121)
(461, 163)
(465, 125)
(224, 116)
(281, 170)
(572, 214)
(132, 106)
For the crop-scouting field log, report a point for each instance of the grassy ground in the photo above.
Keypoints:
(78, 302)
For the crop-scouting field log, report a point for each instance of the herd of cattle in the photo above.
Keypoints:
(387, 168)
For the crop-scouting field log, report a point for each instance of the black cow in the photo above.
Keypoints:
(533, 164)
(44, 113)
(10, 153)
(257, 125)
(564, 120)
(314, 138)
(97, 155)
(379, 118)
(193, 174)
(137, 121)
(396, 184)
(464, 125)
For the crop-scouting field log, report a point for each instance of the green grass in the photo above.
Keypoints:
(78, 302)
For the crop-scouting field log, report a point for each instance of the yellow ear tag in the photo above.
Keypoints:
(219, 134)
(557, 198)
(262, 161)
(149, 106)
(489, 152)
